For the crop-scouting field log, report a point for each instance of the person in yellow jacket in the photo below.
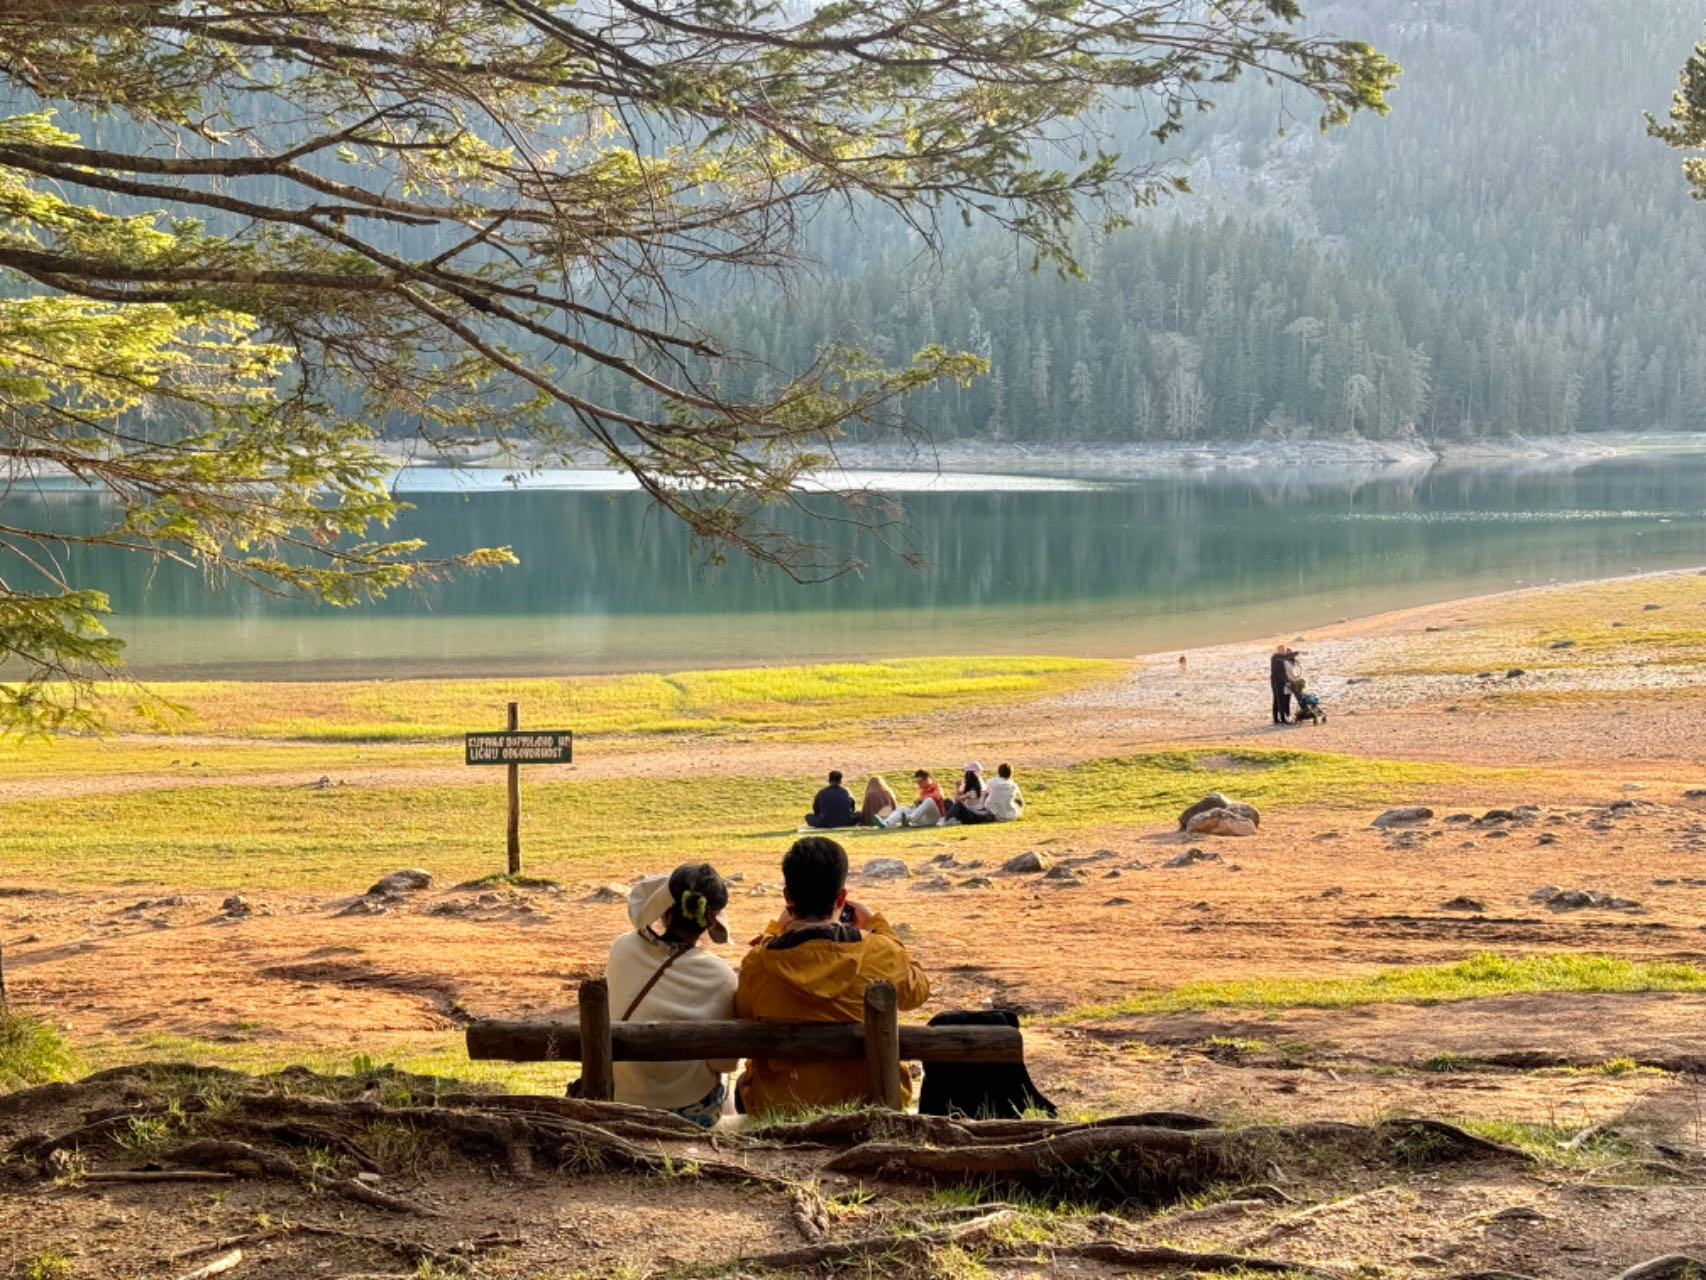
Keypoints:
(812, 965)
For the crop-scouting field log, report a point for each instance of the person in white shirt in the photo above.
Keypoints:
(658, 972)
(1001, 795)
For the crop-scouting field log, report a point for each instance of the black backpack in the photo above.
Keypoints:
(981, 1090)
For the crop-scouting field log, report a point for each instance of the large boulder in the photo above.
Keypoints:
(1409, 815)
(1213, 800)
(408, 880)
(1220, 822)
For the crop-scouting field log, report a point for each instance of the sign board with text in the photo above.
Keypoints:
(536, 746)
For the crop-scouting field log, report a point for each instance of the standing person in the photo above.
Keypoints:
(879, 803)
(659, 973)
(1002, 795)
(833, 806)
(971, 800)
(1279, 679)
(931, 807)
(812, 964)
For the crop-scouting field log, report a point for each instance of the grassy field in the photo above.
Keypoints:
(1476, 978)
(341, 837)
(700, 701)
(1608, 623)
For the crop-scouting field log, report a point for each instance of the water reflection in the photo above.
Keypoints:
(605, 582)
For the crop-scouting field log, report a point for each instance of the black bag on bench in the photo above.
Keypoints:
(980, 1090)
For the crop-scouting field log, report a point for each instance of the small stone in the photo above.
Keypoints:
(935, 884)
(365, 907)
(1028, 863)
(1463, 903)
(1410, 815)
(1221, 822)
(1545, 893)
(615, 891)
(1515, 673)
(1126, 902)
(408, 880)
(1061, 873)
(236, 906)
(372, 1179)
(1651, 608)
(1546, 837)
(1562, 644)
(977, 882)
(885, 869)
(1335, 891)
(1695, 793)
(30, 937)
(736, 877)
(1190, 857)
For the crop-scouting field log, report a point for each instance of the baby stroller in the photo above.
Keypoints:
(1308, 705)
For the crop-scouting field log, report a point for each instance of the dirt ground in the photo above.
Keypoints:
(1605, 772)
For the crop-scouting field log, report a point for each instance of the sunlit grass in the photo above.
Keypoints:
(437, 1055)
(1480, 976)
(392, 710)
(296, 837)
(31, 1052)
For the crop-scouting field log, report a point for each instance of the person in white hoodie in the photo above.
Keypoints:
(1001, 795)
(660, 973)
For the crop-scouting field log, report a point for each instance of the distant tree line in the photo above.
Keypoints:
(1506, 253)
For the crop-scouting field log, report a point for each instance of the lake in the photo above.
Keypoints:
(1017, 565)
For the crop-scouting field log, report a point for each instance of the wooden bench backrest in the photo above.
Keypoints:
(595, 1043)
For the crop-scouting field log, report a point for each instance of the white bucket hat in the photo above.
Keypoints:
(650, 898)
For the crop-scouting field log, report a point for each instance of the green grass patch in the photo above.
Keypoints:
(262, 837)
(445, 1056)
(391, 710)
(1547, 1142)
(31, 1052)
(1478, 977)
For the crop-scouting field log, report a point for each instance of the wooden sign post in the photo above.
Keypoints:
(514, 749)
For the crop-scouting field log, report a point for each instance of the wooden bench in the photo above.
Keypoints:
(596, 1043)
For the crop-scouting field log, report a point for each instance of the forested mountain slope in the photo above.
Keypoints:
(1507, 252)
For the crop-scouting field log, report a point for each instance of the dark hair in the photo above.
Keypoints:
(815, 873)
(699, 878)
(835, 777)
(1005, 770)
(921, 773)
(973, 783)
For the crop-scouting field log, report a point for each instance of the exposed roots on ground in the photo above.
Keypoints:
(1154, 1165)
(855, 1127)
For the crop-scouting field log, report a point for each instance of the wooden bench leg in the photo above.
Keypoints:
(882, 1045)
(598, 1080)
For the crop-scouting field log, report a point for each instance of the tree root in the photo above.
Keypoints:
(809, 1214)
(1673, 1266)
(1153, 1164)
(157, 1175)
(818, 1255)
(1146, 1257)
(855, 1127)
(223, 1263)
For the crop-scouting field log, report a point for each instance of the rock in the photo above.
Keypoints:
(615, 891)
(885, 869)
(236, 906)
(30, 937)
(1463, 903)
(1545, 893)
(1651, 608)
(977, 882)
(1061, 873)
(1190, 857)
(1213, 800)
(1028, 863)
(1562, 644)
(935, 884)
(1126, 902)
(737, 877)
(1498, 833)
(1431, 629)
(1515, 673)
(1695, 793)
(1333, 891)
(1634, 786)
(325, 780)
(1220, 822)
(1546, 837)
(1410, 815)
(408, 880)
(1111, 875)
(365, 907)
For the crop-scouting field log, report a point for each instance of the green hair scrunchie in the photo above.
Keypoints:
(693, 907)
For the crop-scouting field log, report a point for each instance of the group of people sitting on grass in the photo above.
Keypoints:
(811, 964)
(975, 801)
